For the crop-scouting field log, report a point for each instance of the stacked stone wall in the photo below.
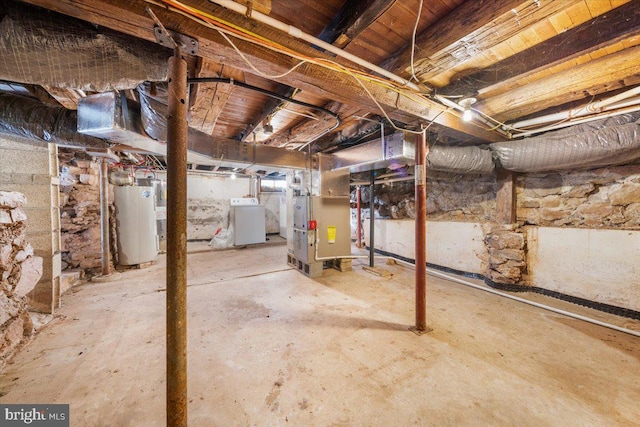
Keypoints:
(80, 212)
(19, 273)
(600, 198)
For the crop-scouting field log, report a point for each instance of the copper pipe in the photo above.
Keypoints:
(358, 219)
(177, 243)
(421, 233)
(104, 217)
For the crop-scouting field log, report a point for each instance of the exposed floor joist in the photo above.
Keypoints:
(603, 31)
(354, 17)
(469, 29)
(131, 18)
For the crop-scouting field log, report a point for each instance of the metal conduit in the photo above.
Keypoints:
(460, 281)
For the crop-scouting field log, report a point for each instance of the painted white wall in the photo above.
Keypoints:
(208, 203)
(271, 202)
(599, 265)
(457, 245)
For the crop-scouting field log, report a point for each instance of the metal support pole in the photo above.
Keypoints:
(421, 234)
(177, 243)
(372, 179)
(358, 219)
(104, 217)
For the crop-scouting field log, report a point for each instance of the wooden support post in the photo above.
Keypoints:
(505, 197)
(177, 243)
(104, 217)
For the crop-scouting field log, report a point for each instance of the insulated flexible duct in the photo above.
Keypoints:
(467, 160)
(30, 118)
(38, 46)
(611, 141)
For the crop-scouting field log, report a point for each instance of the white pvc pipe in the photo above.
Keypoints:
(297, 33)
(597, 106)
(522, 300)
(535, 304)
(572, 122)
(605, 104)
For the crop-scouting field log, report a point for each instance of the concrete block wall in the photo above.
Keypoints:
(32, 169)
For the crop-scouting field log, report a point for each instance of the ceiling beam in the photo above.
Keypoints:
(307, 129)
(353, 18)
(45, 96)
(210, 98)
(270, 107)
(600, 32)
(130, 17)
(468, 30)
(68, 98)
(600, 75)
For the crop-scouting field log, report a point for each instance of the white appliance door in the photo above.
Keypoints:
(249, 225)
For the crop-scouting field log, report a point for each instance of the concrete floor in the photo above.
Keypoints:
(270, 347)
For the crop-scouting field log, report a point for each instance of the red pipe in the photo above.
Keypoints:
(421, 233)
(358, 219)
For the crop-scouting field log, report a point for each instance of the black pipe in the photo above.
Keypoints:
(197, 80)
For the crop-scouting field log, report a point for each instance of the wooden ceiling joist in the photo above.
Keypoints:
(353, 18)
(307, 130)
(269, 108)
(468, 30)
(131, 18)
(602, 31)
(601, 75)
(210, 99)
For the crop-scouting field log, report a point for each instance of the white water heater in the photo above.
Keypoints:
(136, 225)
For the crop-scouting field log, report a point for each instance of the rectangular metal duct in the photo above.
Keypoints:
(396, 150)
(106, 115)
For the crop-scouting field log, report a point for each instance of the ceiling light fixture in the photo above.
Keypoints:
(466, 104)
(267, 127)
(233, 176)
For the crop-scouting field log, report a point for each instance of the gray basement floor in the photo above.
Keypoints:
(270, 347)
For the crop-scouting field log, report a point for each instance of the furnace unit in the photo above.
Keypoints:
(320, 219)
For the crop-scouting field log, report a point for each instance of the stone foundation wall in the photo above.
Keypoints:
(19, 273)
(506, 256)
(80, 212)
(600, 198)
(470, 198)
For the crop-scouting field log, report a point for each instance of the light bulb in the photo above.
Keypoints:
(467, 115)
(233, 176)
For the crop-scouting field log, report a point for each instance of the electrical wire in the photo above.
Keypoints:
(225, 28)
(260, 73)
(413, 43)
